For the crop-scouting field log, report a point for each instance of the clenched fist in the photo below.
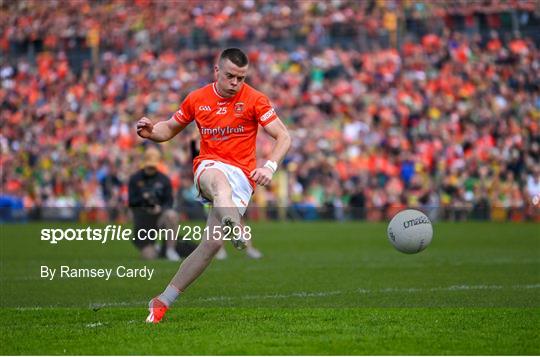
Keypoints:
(144, 128)
(262, 176)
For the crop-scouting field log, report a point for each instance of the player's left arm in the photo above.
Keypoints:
(277, 130)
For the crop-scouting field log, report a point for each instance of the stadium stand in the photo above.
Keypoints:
(391, 104)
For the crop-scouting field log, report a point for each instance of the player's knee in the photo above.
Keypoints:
(214, 183)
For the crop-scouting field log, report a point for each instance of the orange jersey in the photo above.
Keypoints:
(228, 126)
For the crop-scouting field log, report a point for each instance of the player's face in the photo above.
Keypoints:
(229, 77)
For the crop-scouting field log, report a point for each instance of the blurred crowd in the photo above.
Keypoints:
(391, 104)
(131, 26)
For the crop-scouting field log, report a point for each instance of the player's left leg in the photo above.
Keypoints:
(217, 184)
(251, 251)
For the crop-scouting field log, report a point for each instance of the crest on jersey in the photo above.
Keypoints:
(239, 107)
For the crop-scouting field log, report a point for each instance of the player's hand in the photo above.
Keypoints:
(262, 176)
(145, 127)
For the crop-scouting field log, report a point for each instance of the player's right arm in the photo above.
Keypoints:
(166, 130)
(161, 131)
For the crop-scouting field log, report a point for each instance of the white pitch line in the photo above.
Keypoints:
(32, 308)
(368, 291)
(307, 294)
(115, 304)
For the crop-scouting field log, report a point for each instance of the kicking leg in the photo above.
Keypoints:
(196, 262)
(214, 186)
(190, 269)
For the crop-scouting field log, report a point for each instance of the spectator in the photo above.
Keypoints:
(151, 200)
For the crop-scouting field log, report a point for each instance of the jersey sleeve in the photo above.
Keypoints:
(264, 112)
(185, 114)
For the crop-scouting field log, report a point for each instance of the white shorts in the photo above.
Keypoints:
(241, 188)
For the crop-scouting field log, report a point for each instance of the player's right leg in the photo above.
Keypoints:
(190, 269)
(214, 186)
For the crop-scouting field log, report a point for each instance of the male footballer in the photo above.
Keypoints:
(228, 113)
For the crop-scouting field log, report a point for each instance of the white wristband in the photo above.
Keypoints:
(272, 165)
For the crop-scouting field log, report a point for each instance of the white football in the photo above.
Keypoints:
(410, 231)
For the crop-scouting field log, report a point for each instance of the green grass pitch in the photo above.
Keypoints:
(322, 288)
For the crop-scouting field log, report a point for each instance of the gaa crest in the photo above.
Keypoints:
(239, 107)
